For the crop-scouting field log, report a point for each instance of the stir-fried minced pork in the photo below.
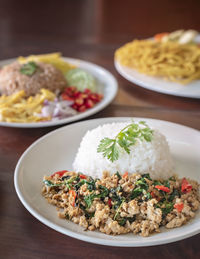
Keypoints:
(120, 204)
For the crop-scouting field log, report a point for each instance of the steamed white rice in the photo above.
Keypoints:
(145, 157)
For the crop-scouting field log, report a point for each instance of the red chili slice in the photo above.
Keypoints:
(179, 206)
(70, 90)
(73, 193)
(81, 100)
(110, 203)
(60, 173)
(89, 103)
(87, 91)
(82, 176)
(162, 188)
(82, 108)
(66, 97)
(185, 186)
(125, 174)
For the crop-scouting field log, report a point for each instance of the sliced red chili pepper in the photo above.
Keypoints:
(89, 103)
(60, 173)
(75, 106)
(73, 193)
(82, 176)
(82, 108)
(153, 194)
(76, 94)
(66, 97)
(81, 100)
(87, 91)
(110, 203)
(185, 186)
(158, 37)
(162, 188)
(125, 174)
(179, 206)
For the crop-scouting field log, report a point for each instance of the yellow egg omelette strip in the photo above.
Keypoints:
(18, 108)
(54, 59)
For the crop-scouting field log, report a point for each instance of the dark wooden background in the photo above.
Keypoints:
(89, 30)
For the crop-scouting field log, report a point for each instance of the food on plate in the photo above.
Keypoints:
(132, 147)
(30, 77)
(139, 194)
(120, 204)
(43, 87)
(81, 100)
(173, 56)
(180, 36)
(81, 79)
(54, 59)
(18, 108)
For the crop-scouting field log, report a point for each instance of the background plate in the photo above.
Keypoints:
(56, 151)
(106, 84)
(156, 84)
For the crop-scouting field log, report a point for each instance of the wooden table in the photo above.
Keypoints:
(89, 30)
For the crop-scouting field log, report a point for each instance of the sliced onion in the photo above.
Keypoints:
(47, 111)
(57, 109)
(46, 102)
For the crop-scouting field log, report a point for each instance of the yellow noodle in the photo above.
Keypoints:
(170, 60)
(18, 108)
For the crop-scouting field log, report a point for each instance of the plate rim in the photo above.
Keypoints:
(79, 236)
(143, 84)
(98, 107)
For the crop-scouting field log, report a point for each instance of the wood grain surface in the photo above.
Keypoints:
(90, 30)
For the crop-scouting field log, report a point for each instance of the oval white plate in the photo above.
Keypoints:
(106, 84)
(191, 90)
(56, 151)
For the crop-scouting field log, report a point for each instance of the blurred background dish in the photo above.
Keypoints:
(106, 85)
(167, 63)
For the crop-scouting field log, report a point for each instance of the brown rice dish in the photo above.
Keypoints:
(120, 204)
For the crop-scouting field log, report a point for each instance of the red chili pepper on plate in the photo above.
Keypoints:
(185, 186)
(87, 91)
(153, 194)
(110, 203)
(82, 108)
(125, 174)
(66, 97)
(82, 176)
(162, 188)
(60, 173)
(179, 206)
(73, 193)
(158, 37)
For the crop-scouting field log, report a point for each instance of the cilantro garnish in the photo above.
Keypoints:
(124, 139)
(29, 68)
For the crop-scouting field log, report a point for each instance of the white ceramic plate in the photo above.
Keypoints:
(106, 84)
(191, 90)
(56, 151)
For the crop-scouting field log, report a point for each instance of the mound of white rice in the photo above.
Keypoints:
(145, 157)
